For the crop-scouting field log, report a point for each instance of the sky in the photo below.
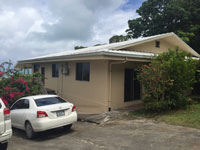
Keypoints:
(31, 28)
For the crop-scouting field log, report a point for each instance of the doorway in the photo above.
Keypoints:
(132, 88)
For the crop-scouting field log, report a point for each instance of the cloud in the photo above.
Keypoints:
(75, 19)
(38, 27)
(115, 24)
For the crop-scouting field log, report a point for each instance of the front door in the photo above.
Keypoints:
(132, 90)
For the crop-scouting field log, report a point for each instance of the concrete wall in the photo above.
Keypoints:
(88, 96)
(93, 96)
(150, 47)
(117, 84)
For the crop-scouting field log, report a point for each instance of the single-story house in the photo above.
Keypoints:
(102, 78)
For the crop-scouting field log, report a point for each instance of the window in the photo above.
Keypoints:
(158, 44)
(21, 104)
(28, 71)
(25, 104)
(83, 71)
(36, 68)
(55, 70)
(49, 101)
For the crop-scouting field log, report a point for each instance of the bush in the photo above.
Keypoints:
(14, 85)
(167, 80)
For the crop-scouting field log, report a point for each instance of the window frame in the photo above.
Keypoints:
(36, 68)
(83, 71)
(55, 70)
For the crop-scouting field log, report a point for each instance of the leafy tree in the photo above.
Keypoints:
(79, 47)
(14, 85)
(167, 80)
(99, 44)
(118, 38)
(162, 16)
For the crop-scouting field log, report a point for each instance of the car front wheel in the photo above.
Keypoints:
(29, 131)
(3, 146)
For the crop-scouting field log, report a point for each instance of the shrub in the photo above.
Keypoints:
(14, 85)
(167, 80)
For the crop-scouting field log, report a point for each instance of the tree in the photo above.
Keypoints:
(14, 85)
(167, 80)
(99, 44)
(162, 16)
(118, 38)
(79, 47)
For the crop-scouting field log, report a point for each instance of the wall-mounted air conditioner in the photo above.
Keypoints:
(65, 69)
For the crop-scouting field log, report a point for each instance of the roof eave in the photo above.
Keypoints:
(116, 54)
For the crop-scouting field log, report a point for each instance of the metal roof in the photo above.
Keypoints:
(113, 49)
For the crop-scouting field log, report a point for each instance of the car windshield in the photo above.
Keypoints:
(49, 101)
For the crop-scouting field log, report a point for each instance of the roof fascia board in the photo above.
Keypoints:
(191, 49)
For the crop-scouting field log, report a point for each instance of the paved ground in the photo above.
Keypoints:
(138, 134)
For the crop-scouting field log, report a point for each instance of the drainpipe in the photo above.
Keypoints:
(110, 81)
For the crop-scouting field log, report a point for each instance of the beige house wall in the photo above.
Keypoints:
(150, 47)
(88, 96)
(117, 84)
(106, 86)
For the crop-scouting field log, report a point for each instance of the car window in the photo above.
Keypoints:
(25, 104)
(49, 101)
(17, 105)
(21, 104)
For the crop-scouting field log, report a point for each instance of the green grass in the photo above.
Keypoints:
(189, 117)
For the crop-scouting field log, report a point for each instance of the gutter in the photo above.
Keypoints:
(106, 53)
(110, 81)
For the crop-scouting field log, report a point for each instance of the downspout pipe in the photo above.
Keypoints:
(110, 81)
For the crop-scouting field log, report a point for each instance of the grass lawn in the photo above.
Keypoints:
(189, 117)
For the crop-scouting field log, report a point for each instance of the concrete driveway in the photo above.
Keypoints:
(138, 134)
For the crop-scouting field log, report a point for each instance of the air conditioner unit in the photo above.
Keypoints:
(65, 69)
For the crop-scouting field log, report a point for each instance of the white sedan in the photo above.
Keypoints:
(43, 112)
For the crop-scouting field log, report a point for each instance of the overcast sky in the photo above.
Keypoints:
(30, 28)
